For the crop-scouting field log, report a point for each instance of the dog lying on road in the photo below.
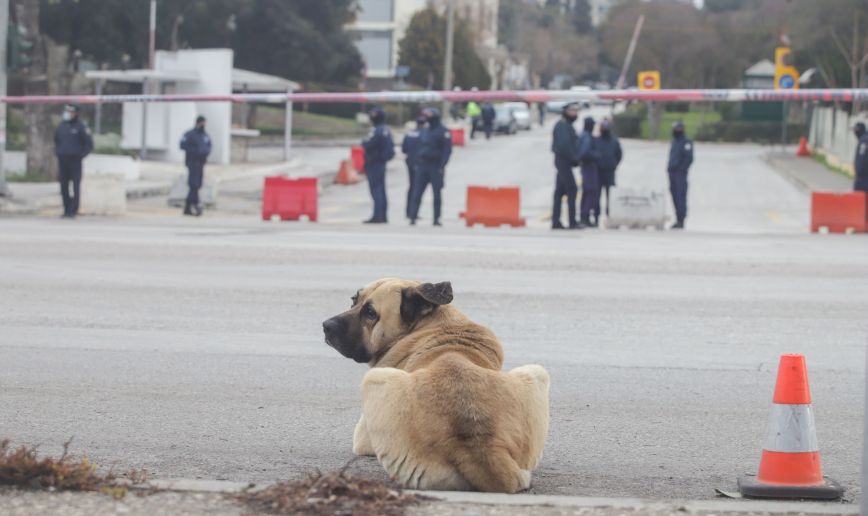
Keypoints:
(437, 410)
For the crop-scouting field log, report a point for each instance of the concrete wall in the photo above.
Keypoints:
(832, 136)
(14, 162)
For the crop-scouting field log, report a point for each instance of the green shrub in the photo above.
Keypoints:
(757, 132)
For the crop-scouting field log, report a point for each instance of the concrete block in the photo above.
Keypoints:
(103, 194)
(207, 194)
(636, 208)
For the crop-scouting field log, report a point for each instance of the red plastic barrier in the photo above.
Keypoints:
(357, 156)
(289, 199)
(458, 137)
(839, 212)
(493, 207)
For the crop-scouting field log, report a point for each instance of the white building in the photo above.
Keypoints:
(379, 26)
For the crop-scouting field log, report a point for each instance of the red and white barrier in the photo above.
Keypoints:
(382, 97)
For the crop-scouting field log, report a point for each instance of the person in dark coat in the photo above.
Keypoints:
(379, 149)
(488, 116)
(589, 158)
(197, 145)
(680, 159)
(72, 142)
(410, 147)
(610, 156)
(565, 146)
(434, 153)
(860, 163)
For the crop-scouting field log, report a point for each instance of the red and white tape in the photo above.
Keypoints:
(383, 97)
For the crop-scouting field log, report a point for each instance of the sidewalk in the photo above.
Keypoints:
(181, 497)
(156, 180)
(807, 174)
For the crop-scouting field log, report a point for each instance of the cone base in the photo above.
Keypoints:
(750, 487)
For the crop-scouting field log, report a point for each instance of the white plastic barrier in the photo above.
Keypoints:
(103, 194)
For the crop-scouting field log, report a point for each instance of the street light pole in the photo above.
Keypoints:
(447, 67)
(4, 26)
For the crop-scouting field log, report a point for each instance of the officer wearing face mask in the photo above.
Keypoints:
(434, 153)
(72, 142)
(860, 164)
(196, 145)
(410, 147)
(680, 159)
(565, 146)
(379, 150)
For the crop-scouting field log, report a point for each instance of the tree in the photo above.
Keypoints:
(580, 16)
(40, 154)
(423, 50)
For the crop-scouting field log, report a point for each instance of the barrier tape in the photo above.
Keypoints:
(733, 95)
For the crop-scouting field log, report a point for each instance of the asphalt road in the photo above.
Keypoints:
(193, 347)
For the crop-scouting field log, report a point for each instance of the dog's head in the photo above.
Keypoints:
(381, 314)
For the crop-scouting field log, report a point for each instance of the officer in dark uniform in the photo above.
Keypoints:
(589, 157)
(488, 116)
(680, 159)
(610, 156)
(197, 145)
(410, 147)
(379, 149)
(565, 146)
(860, 164)
(72, 142)
(434, 152)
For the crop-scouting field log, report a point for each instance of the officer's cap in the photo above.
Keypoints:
(569, 105)
(71, 107)
(431, 112)
(200, 119)
(859, 127)
(604, 123)
(678, 126)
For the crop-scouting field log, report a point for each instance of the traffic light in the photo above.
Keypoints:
(19, 48)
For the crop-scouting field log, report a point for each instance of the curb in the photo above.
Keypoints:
(529, 500)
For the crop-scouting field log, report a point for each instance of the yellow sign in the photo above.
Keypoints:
(649, 80)
(786, 75)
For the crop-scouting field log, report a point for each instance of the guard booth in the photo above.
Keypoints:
(761, 76)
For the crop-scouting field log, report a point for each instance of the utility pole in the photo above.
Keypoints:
(4, 27)
(152, 53)
(630, 49)
(447, 66)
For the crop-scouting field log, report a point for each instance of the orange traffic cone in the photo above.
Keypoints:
(803, 148)
(346, 175)
(790, 462)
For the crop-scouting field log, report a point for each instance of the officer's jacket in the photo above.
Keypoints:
(680, 155)
(72, 138)
(588, 154)
(379, 147)
(488, 113)
(565, 142)
(411, 144)
(860, 164)
(436, 145)
(197, 144)
(610, 152)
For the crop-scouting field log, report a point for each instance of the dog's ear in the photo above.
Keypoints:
(420, 301)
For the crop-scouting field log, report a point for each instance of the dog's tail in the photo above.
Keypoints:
(491, 469)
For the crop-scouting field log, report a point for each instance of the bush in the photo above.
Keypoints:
(629, 123)
(757, 132)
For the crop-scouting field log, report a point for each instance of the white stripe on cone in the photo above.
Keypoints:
(791, 429)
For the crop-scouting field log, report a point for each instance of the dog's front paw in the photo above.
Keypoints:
(361, 441)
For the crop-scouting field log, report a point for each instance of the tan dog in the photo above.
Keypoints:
(437, 410)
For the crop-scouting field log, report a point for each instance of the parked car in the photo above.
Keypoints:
(504, 120)
(521, 113)
(556, 106)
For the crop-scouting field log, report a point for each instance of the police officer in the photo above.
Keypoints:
(488, 115)
(475, 114)
(72, 142)
(197, 145)
(410, 147)
(860, 164)
(680, 159)
(434, 152)
(565, 146)
(610, 156)
(379, 149)
(589, 158)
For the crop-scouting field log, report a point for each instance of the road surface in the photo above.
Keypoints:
(193, 347)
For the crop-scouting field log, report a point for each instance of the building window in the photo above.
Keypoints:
(376, 10)
(376, 49)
